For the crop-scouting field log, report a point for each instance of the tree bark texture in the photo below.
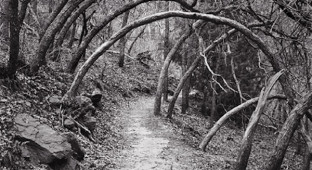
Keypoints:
(164, 71)
(246, 144)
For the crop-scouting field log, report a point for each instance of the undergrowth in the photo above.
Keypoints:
(31, 95)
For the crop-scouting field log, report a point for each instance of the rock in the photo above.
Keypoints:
(55, 100)
(83, 101)
(196, 94)
(89, 122)
(170, 92)
(78, 152)
(44, 143)
(146, 90)
(96, 96)
(69, 124)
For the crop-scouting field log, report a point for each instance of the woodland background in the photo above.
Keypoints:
(221, 54)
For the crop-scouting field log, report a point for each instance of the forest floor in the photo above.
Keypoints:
(157, 143)
(128, 135)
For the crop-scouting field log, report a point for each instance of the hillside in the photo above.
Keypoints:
(39, 96)
(127, 135)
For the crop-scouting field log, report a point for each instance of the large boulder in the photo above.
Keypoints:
(46, 143)
(42, 144)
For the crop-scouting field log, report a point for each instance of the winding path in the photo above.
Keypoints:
(150, 144)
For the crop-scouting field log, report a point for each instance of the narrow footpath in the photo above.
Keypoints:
(151, 144)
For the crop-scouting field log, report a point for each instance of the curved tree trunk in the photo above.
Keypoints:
(180, 86)
(192, 68)
(164, 72)
(52, 17)
(191, 15)
(287, 132)
(61, 36)
(136, 38)
(203, 145)
(84, 45)
(49, 35)
(246, 144)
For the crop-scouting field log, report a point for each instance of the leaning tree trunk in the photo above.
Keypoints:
(180, 86)
(72, 36)
(84, 45)
(164, 71)
(203, 145)
(123, 41)
(287, 132)
(192, 68)
(73, 63)
(49, 35)
(52, 17)
(61, 36)
(191, 15)
(246, 144)
(136, 38)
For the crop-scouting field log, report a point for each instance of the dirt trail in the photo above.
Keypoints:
(151, 144)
